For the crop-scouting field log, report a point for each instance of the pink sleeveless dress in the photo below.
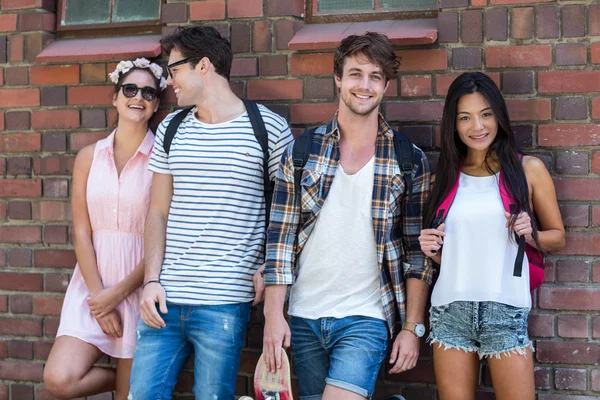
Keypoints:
(117, 207)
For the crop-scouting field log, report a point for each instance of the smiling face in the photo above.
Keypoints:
(186, 82)
(476, 123)
(361, 85)
(136, 109)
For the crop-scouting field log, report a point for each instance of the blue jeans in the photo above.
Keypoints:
(215, 333)
(342, 352)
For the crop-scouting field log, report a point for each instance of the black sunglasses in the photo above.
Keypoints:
(148, 92)
(181, 62)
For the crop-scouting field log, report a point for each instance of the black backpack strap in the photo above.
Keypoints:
(404, 154)
(172, 128)
(518, 268)
(300, 154)
(262, 136)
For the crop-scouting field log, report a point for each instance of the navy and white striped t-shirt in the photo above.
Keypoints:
(216, 225)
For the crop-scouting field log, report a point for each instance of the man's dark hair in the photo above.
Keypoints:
(376, 47)
(201, 41)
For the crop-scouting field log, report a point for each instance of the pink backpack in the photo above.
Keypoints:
(534, 256)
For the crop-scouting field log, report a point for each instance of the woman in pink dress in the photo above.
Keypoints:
(110, 199)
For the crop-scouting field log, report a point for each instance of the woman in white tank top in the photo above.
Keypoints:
(481, 300)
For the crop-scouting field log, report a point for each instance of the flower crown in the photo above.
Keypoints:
(126, 65)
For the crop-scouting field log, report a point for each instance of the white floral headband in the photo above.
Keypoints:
(125, 66)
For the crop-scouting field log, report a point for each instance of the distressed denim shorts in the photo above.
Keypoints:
(342, 352)
(491, 329)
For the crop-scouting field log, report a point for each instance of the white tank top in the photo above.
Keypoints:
(338, 275)
(478, 258)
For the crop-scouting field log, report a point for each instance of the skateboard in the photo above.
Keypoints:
(269, 386)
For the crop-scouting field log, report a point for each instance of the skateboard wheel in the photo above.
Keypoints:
(396, 397)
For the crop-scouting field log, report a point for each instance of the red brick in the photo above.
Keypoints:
(20, 349)
(54, 75)
(580, 243)
(54, 282)
(312, 113)
(261, 36)
(90, 95)
(35, 21)
(596, 162)
(54, 258)
(20, 188)
(16, 76)
(12, 98)
(289, 89)
(414, 111)
(47, 305)
(20, 281)
(569, 135)
(41, 351)
(448, 26)
(244, 8)
(541, 325)
(415, 85)
(4, 304)
(22, 142)
(594, 18)
(20, 371)
(51, 211)
(596, 216)
(479, 3)
(547, 22)
(8, 22)
(529, 109)
(572, 21)
(19, 258)
(596, 327)
(55, 188)
(575, 214)
(568, 81)
(93, 73)
(21, 304)
(312, 64)
(240, 37)
(273, 65)
(596, 380)
(521, 25)
(78, 141)
(567, 352)
(60, 165)
(570, 379)
(16, 48)
(20, 234)
(595, 53)
(56, 234)
(19, 210)
(577, 189)
(472, 26)
(518, 56)
(174, 12)
(20, 327)
(207, 10)
(36, 43)
(571, 53)
(422, 60)
(494, 2)
(496, 22)
(573, 326)
(244, 67)
(284, 31)
(55, 119)
(19, 166)
(564, 298)
(51, 326)
(21, 4)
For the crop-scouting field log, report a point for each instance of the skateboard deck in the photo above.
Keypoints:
(269, 386)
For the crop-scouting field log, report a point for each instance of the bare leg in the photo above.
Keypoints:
(456, 373)
(123, 374)
(70, 373)
(336, 393)
(512, 376)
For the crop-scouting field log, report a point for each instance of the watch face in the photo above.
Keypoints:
(420, 330)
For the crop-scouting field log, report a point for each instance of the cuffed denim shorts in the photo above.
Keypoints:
(341, 352)
(488, 328)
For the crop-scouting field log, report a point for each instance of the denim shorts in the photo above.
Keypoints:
(491, 329)
(341, 352)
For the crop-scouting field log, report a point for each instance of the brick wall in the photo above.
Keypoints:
(544, 54)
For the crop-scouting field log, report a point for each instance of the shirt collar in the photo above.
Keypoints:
(145, 147)
(333, 128)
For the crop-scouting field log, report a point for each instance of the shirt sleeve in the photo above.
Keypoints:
(416, 264)
(283, 226)
(159, 161)
(280, 136)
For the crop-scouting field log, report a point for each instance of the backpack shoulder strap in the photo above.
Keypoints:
(444, 207)
(172, 128)
(262, 136)
(403, 148)
(300, 154)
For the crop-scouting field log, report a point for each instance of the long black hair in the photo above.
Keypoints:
(453, 150)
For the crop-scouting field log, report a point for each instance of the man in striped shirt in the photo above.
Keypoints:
(205, 230)
(349, 241)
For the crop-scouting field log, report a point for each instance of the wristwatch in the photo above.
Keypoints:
(417, 329)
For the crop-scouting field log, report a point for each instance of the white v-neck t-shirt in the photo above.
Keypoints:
(338, 275)
(478, 258)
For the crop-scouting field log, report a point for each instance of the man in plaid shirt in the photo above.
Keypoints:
(350, 245)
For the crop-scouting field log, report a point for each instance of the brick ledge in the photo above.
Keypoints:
(329, 36)
(100, 49)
